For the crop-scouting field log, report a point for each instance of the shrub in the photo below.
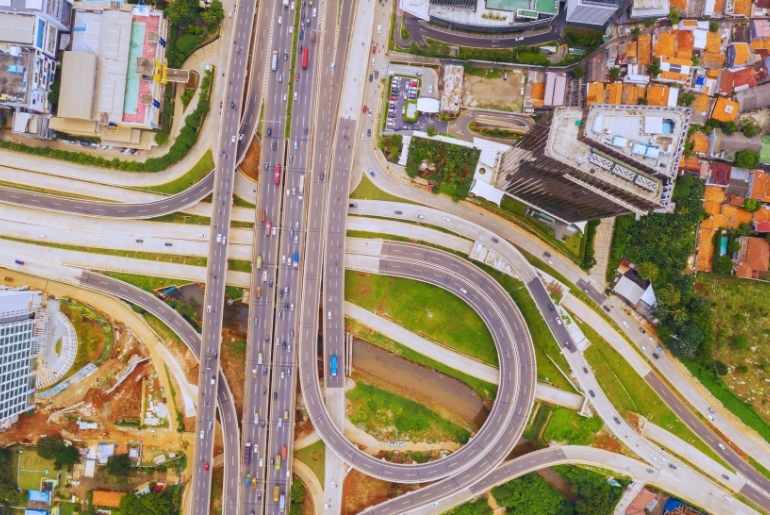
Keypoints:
(746, 159)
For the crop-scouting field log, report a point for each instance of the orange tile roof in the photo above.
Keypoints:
(657, 95)
(630, 52)
(614, 93)
(632, 93)
(719, 7)
(742, 7)
(755, 258)
(684, 44)
(701, 104)
(700, 142)
(691, 164)
(761, 215)
(644, 52)
(679, 5)
(665, 45)
(742, 53)
(712, 60)
(760, 186)
(716, 72)
(676, 76)
(713, 42)
(734, 216)
(107, 498)
(758, 44)
(595, 93)
(538, 90)
(725, 110)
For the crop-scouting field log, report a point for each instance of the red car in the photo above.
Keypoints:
(277, 174)
(206, 466)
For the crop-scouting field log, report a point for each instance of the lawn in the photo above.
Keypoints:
(424, 309)
(567, 427)
(740, 321)
(629, 393)
(551, 365)
(366, 190)
(477, 507)
(388, 416)
(448, 167)
(94, 333)
(145, 282)
(485, 390)
(313, 457)
(182, 218)
(69, 508)
(199, 170)
(31, 469)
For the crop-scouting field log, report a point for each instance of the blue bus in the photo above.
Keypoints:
(333, 365)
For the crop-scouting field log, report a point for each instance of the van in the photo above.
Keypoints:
(280, 20)
(259, 358)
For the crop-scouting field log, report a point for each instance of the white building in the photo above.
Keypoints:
(17, 352)
(591, 12)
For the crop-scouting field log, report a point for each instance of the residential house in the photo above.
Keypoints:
(760, 186)
(732, 81)
(725, 110)
(753, 258)
(637, 292)
(106, 498)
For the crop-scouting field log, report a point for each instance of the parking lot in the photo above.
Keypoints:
(403, 93)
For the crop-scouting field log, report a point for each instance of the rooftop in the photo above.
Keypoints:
(565, 146)
(652, 137)
(15, 67)
(725, 110)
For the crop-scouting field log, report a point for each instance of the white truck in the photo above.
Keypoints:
(274, 62)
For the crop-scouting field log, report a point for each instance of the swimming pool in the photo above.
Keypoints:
(131, 99)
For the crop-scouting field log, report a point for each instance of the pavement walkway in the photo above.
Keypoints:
(602, 244)
(312, 485)
(629, 494)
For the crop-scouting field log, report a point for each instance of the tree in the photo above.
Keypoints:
(577, 72)
(746, 159)
(728, 127)
(213, 16)
(614, 73)
(530, 494)
(739, 342)
(163, 503)
(54, 448)
(119, 465)
(751, 205)
(686, 98)
(648, 270)
(713, 26)
(749, 127)
(654, 67)
(636, 31)
(674, 16)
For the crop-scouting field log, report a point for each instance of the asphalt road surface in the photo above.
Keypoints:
(180, 326)
(517, 371)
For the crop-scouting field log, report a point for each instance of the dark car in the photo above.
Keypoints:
(269, 131)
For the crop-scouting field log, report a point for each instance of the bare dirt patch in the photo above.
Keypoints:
(495, 93)
(250, 164)
(360, 492)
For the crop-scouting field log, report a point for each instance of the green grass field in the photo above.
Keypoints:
(388, 416)
(144, 282)
(313, 457)
(486, 391)
(629, 393)
(31, 469)
(366, 190)
(424, 309)
(199, 170)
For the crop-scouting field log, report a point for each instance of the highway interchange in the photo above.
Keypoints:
(273, 318)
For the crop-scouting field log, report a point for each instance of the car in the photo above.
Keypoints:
(206, 466)
(585, 370)
(721, 446)
(371, 77)
(167, 244)
(519, 38)
(616, 419)
(368, 133)
(352, 204)
(139, 240)
(591, 393)
(269, 131)
(232, 140)
(547, 255)
(421, 217)
(398, 212)
(656, 355)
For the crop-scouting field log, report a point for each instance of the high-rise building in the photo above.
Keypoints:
(17, 353)
(609, 160)
(591, 12)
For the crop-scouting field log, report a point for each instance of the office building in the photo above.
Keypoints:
(17, 352)
(29, 37)
(591, 12)
(606, 161)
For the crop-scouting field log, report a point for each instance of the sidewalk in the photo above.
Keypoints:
(602, 244)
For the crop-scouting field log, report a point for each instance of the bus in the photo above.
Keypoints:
(305, 58)
(274, 61)
(333, 365)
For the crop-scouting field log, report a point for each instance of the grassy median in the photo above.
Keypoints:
(427, 310)
(388, 416)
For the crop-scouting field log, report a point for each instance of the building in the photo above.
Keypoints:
(650, 9)
(591, 12)
(29, 39)
(17, 344)
(753, 258)
(106, 498)
(114, 75)
(609, 160)
(636, 291)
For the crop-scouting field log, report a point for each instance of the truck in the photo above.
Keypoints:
(277, 174)
(276, 493)
(259, 262)
(286, 3)
(278, 461)
(284, 452)
(247, 453)
(295, 258)
(305, 58)
(333, 365)
(274, 60)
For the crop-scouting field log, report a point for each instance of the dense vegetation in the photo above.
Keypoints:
(54, 448)
(10, 495)
(391, 147)
(449, 168)
(189, 26)
(183, 143)
(660, 244)
(166, 502)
